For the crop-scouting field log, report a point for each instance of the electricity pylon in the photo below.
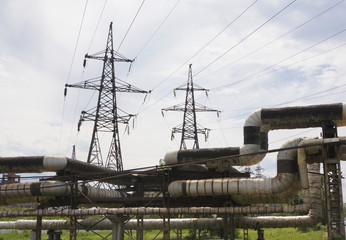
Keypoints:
(106, 115)
(189, 129)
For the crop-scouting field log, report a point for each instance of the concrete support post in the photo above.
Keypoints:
(118, 226)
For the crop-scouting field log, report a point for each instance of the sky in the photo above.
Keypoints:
(249, 54)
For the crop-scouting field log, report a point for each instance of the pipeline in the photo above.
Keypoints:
(315, 203)
(48, 190)
(280, 189)
(148, 224)
(34, 164)
(250, 209)
(256, 129)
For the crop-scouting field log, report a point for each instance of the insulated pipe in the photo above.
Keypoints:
(195, 223)
(31, 192)
(256, 129)
(248, 190)
(106, 224)
(302, 208)
(45, 190)
(309, 220)
(202, 223)
(48, 164)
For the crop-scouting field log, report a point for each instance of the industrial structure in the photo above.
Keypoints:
(221, 197)
(106, 115)
(211, 195)
(189, 129)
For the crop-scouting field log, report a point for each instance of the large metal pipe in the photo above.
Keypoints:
(309, 220)
(34, 164)
(262, 209)
(256, 129)
(148, 224)
(249, 190)
(46, 190)
(315, 203)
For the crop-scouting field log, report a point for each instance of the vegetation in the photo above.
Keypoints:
(269, 233)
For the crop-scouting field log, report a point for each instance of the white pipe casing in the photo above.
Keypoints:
(256, 129)
(309, 220)
(98, 193)
(46, 190)
(54, 163)
(246, 190)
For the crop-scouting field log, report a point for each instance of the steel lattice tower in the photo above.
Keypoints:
(189, 129)
(106, 115)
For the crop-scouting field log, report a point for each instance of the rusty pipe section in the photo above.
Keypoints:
(249, 190)
(256, 129)
(46, 190)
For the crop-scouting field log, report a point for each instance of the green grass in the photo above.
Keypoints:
(269, 234)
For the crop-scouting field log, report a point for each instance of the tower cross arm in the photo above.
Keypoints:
(122, 86)
(92, 84)
(115, 57)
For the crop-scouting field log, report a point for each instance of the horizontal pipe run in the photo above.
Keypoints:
(47, 190)
(34, 164)
(314, 203)
(148, 224)
(248, 190)
(303, 208)
(256, 129)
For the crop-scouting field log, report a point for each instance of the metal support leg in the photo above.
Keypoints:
(166, 227)
(333, 191)
(118, 226)
(38, 228)
(73, 228)
(246, 234)
(260, 234)
(333, 187)
(139, 230)
(179, 231)
(228, 227)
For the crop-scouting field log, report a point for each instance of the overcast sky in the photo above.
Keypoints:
(275, 54)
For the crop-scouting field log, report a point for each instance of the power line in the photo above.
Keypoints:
(271, 42)
(243, 39)
(158, 28)
(294, 100)
(139, 9)
(204, 46)
(97, 25)
(305, 59)
(69, 72)
(294, 55)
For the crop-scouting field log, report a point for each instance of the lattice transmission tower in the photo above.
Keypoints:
(106, 115)
(189, 129)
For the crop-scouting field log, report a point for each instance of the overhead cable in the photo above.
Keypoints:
(158, 28)
(69, 72)
(276, 39)
(294, 55)
(97, 25)
(205, 45)
(243, 39)
(139, 9)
